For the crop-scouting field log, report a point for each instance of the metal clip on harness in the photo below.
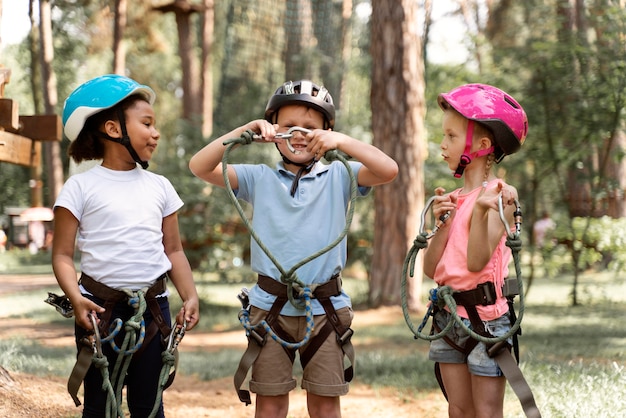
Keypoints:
(61, 303)
(176, 336)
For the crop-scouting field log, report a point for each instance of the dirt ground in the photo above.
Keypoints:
(23, 395)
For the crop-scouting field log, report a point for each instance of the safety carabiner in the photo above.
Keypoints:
(517, 218)
(96, 344)
(177, 334)
(286, 136)
(443, 218)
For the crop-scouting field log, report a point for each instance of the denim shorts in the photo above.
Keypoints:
(478, 361)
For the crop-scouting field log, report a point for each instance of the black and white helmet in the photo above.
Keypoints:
(303, 92)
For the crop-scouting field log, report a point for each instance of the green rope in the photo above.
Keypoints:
(289, 277)
(169, 359)
(131, 344)
(442, 296)
(133, 326)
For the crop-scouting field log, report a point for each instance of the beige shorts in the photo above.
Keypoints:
(272, 372)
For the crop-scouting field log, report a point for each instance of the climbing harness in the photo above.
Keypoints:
(484, 294)
(290, 288)
(136, 336)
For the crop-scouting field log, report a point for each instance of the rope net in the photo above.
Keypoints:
(267, 42)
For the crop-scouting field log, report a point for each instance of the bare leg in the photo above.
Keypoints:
(458, 383)
(323, 406)
(272, 406)
(488, 395)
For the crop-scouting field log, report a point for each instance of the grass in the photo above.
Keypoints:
(574, 357)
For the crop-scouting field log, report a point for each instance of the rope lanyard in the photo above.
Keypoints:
(443, 296)
(133, 340)
(288, 277)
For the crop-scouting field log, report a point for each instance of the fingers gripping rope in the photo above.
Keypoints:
(443, 296)
(288, 277)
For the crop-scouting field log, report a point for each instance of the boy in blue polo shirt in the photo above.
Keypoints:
(299, 208)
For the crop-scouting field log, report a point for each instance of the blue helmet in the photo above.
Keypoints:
(98, 94)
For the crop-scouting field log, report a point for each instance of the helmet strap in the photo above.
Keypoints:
(125, 140)
(304, 169)
(466, 158)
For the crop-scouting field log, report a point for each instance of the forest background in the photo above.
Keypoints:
(215, 64)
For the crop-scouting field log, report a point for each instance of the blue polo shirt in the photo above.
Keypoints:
(294, 228)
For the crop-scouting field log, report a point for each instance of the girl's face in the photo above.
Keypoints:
(304, 117)
(140, 124)
(454, 128)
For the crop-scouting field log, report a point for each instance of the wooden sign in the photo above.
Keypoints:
(41, 127)
(20, 150)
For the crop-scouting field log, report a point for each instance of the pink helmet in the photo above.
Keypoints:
(493, 108)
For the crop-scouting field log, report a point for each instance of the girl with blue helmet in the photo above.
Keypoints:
(124, 222)
(96, 101)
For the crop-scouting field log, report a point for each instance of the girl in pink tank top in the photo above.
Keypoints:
(481, 124)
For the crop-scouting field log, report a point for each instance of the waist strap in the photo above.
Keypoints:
(331, 288)
(107, 293)
(484, 294)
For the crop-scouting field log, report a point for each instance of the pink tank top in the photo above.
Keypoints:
(452, 267)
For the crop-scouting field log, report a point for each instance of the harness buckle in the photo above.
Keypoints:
(510, 288)
(244, 298)
(489, 293)
(345, 337)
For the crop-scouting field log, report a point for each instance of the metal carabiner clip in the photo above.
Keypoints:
(176, 336)
(287, 137)
(442, 219)
(96, 344)
(517, 218)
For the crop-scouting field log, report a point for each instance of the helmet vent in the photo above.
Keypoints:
(512, 102)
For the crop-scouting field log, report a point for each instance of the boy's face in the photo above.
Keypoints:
(304, 117)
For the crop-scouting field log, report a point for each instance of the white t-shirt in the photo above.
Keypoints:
(120, 215)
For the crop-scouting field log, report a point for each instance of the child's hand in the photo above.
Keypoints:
(322, 140)
(491, 197)
(265, 131)
(189, 313)
(82, 309)
(444, 204)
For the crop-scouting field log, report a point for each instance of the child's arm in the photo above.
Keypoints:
(442, 205)
(181, 274)
(486, 228)
(378, 167)
(207, 163)
(65, 228)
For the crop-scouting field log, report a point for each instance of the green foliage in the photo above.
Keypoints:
(17, 261)
(600, 242)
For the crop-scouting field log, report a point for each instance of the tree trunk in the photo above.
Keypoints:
(119, 51)
(397, 100)
(300, 40)
(206, 68)
(52, 149)
(346, 52)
